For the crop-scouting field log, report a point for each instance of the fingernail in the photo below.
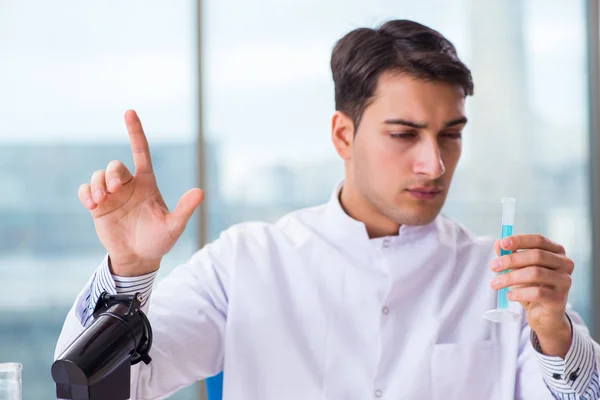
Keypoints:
(98, 194)
(495, 282)
(90, 203)
(496, 264)
(114, 183)
(507, 242)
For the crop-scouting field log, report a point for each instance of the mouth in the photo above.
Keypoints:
(423, 193)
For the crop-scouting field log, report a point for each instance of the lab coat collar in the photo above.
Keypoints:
(352, 230)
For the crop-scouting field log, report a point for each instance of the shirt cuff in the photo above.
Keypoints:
(104, 281)
(577, 372)
(135, 284)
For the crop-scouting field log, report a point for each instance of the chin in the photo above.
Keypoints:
(417, 215)
(420, 220)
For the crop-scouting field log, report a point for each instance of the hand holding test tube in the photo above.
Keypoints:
(502, 312)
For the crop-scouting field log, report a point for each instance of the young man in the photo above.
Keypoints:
(372, 295)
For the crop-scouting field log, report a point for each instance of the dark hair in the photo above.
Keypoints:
(361, 56)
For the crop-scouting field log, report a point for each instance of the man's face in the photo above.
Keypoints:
(401, 159)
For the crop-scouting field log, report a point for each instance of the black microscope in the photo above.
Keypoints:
(97, 364)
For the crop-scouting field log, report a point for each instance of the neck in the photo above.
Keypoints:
(360, 209)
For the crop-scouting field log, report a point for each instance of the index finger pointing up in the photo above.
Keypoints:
(139, 143)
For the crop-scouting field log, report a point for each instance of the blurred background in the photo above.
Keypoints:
(242, 92)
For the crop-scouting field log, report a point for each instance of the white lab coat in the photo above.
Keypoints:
(311, 308)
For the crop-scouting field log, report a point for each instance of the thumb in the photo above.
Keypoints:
(184, 210)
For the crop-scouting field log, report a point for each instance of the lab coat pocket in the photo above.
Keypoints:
(465, 371)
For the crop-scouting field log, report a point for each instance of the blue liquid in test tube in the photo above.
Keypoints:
(507, 231)
(502, 312)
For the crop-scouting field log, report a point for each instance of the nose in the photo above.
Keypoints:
(428, 161)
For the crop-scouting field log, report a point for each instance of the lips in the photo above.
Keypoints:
(425, 190)
(425, 193)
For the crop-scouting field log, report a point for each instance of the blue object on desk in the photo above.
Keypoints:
(214, 387)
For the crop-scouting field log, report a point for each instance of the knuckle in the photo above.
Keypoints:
(114, 165)
(570, 265)
(568, 281)
(538, 256)
(536, 273)
(97, 175)
(539, 240)
(83, 189)
(537, 292)
(510, 258)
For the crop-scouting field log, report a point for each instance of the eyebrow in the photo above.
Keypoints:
(416, 125)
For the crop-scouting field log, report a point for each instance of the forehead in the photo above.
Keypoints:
(403, 96)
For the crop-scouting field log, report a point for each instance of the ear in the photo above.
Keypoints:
(342, 134)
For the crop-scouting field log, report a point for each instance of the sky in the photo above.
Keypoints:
(70, 69)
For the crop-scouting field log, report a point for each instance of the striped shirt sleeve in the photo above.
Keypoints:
(104, 281)
(576, 377)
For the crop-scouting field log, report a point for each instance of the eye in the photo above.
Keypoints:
(452, 135)
(404, 135)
